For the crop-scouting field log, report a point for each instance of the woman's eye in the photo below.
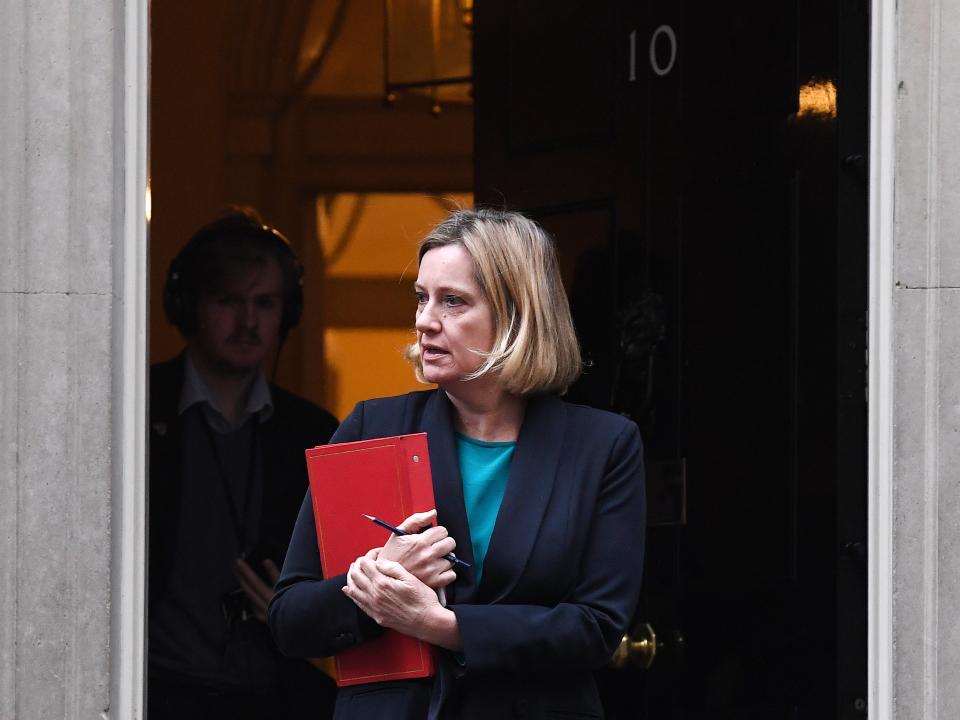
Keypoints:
(452, 301)
(421, 298)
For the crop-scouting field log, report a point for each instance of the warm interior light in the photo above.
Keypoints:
(148, 202)
(368, 243)
(818, 98)
(367, 235)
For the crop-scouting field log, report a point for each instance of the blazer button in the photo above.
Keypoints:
(345, 637)
(521, 708)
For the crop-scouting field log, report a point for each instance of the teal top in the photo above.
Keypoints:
(484, 468)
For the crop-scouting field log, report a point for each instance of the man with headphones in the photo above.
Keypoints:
(227, 477)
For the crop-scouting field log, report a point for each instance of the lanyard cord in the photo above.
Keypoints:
(238, 516)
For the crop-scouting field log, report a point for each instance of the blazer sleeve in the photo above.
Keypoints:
(310, 616)
(582, 631)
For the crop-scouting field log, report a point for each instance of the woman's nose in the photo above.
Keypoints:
(427, 318)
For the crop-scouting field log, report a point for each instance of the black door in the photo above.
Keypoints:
(701, 167)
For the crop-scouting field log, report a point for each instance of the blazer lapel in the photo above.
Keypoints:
(532, 475)
(448, 489)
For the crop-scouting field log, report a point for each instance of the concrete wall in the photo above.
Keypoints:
(62, 179)
(926, 362)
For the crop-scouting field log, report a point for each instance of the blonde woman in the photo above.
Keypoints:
(544, 499)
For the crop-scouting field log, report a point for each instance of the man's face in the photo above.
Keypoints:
(239, 323)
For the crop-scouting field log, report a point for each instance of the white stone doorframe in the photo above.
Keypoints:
(129, 502)
(883, 116)
(129, 515)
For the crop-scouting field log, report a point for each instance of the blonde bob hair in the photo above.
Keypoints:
(535, 347)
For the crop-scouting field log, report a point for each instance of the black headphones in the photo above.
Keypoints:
(209, 248)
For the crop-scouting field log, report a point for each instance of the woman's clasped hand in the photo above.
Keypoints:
(423, 551)
(396, 585)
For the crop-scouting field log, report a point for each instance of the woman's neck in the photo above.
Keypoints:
(486, 412)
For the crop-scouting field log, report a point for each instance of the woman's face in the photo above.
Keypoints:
(454, 318)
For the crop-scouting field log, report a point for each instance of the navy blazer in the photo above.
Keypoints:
(560, 582)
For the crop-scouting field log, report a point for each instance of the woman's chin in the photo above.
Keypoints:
(434, 376)
(444, 379)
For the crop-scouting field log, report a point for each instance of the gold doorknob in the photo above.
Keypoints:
(640, 646)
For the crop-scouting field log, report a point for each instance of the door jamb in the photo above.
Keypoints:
(128, 514)
(883, 91)
(129, 511)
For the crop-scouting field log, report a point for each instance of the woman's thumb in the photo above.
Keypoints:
(418, 521)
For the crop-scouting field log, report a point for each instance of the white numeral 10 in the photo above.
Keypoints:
(658, 69)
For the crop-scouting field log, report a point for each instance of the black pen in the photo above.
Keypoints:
(397, 531)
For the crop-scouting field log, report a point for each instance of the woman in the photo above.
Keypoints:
(544, 499)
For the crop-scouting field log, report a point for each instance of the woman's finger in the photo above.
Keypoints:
(433, 534)
(357, 581)
(444, 547)
(359, 601)
(418, 520)
(391, 569)
(367, 567)
(351, 586)
(445, 578)
(351, 572)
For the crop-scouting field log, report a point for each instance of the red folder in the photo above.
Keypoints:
(390, 479)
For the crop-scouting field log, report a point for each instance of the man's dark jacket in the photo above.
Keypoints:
(294, 426)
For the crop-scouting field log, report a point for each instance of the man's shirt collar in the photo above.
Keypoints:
(195, 390)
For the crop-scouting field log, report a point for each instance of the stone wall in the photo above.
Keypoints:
(926, 363)
(62, 195)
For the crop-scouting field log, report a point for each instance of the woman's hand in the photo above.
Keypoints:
(396, 599)
(422, 553)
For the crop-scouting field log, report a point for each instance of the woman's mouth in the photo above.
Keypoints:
(432, 352)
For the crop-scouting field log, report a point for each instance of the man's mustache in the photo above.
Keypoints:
(245, 337)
